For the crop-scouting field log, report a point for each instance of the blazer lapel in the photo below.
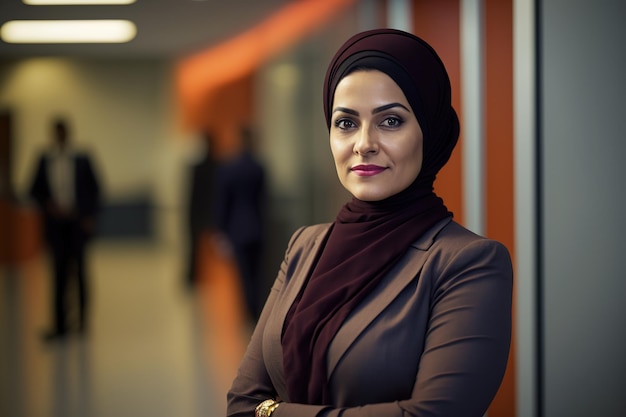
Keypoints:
(301, 256)
(395, 281)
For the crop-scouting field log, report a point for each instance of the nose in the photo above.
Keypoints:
(366, 142)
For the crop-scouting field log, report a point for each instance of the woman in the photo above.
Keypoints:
(393, 309)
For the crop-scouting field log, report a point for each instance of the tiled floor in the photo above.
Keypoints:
(154, 349)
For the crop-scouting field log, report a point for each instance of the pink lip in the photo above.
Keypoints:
(367, 170)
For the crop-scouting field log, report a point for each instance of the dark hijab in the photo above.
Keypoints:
(368, 238)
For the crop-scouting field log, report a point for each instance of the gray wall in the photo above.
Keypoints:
(583, 201)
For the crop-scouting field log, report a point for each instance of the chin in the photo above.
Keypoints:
(371, 197)
(368, 192)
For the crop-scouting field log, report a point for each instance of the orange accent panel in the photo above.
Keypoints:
(20, 233)
(438, 23)
(199, 75)
(499, 157)
(224, 331)
(223, 112)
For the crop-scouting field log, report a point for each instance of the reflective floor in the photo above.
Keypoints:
(153, 349)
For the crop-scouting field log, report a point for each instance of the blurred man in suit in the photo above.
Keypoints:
(201, 185)
(239, 212)
(67, 191)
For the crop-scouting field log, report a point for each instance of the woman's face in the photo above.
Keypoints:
(375, 138)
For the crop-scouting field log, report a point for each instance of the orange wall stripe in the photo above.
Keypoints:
(438, 23)
(499, 157)
(197, 76)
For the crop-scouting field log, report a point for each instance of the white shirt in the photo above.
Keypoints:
(61, 175)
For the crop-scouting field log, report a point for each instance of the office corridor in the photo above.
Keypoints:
(153, 348)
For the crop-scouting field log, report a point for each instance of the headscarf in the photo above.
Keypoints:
(368, 238)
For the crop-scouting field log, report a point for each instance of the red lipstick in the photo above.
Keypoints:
(367, 170)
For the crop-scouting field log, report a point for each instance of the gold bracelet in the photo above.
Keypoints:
(271, 409)
(266, 408)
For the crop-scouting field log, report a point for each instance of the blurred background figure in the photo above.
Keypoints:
(239, 210)
(200, 209)
(67, 192)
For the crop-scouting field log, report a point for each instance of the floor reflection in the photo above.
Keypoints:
(153, 349)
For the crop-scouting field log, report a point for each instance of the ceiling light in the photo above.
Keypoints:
(68, 31)
(74, 2)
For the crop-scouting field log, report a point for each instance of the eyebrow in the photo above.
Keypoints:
(376, 110)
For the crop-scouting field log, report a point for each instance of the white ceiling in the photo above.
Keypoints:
(165, 28)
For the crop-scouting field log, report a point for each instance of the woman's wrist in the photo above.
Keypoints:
(266, 408)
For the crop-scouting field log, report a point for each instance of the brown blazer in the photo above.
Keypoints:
(432, 340)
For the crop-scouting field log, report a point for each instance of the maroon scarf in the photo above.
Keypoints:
(368, 238)
(366, 241)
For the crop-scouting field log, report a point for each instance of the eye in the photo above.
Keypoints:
(344, 124)
(392, 121)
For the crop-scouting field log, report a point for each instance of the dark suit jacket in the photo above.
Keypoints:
(431, 340)
(86, 188)
(202, 195)
(239, 199)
